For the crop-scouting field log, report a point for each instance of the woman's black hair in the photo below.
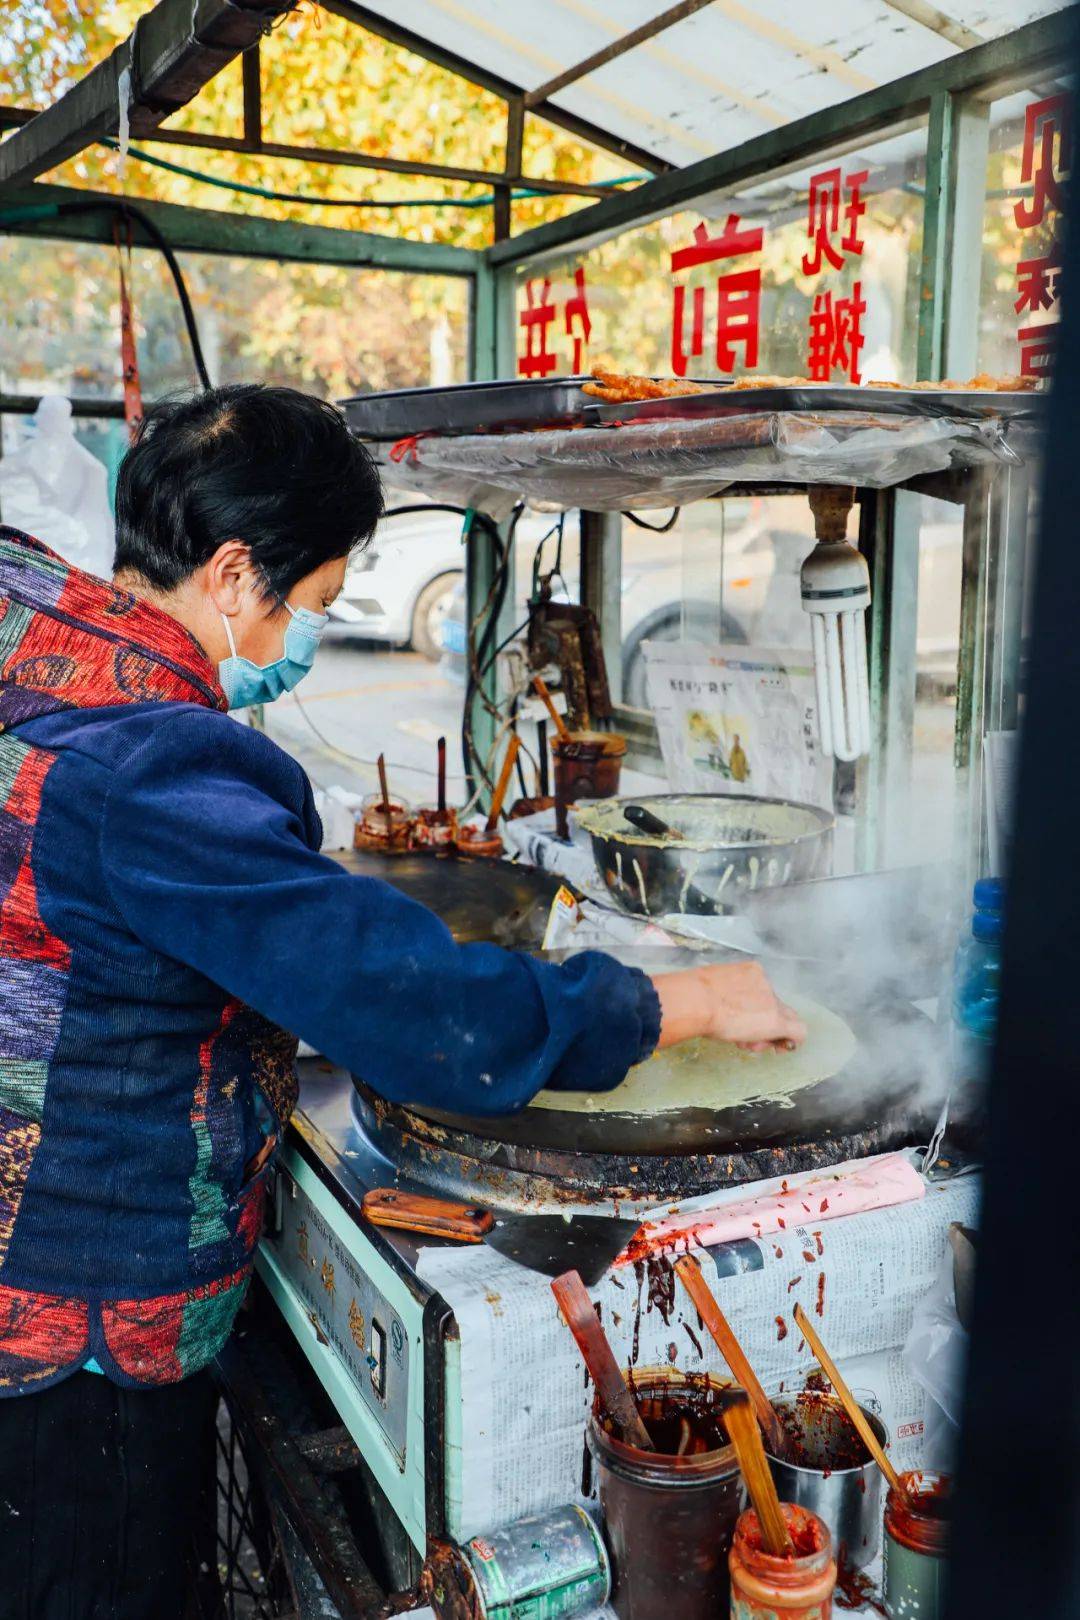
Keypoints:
(272, 467)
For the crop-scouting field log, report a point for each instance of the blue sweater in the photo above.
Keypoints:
(206, 850)
(167, 929)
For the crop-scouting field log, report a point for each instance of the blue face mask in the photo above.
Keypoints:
(245, 683)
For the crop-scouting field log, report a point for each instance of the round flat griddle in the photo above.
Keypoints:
(884, 1098)
(478, 900)
(881, 1084)
(457, 1162)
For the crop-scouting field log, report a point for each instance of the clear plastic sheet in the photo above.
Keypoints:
(671, 463)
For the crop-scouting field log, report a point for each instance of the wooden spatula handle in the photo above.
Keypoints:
(745, 1436)
(577, 1310)
(690, 1275)
(540, 688)
(436, 1217)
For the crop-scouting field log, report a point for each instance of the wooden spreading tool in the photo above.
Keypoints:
(387, 811)
(745, 1436)
(690, 1275)
(540, 688)
(615, 1399)
(847, 1400)
(501, 786)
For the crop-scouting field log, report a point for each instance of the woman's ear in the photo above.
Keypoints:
(228, 576)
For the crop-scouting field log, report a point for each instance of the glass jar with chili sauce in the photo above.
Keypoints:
(917, 1524)
(796, 1587)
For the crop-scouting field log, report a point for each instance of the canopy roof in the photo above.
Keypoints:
(724, 71)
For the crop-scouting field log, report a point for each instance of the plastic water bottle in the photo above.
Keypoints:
(976, 982)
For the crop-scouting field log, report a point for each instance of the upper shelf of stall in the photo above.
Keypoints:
(562, 402)
(491, 445)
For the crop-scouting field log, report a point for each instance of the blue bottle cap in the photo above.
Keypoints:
(989, 894)
(987, 926)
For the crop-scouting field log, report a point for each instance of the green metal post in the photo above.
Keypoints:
(491, 355)
(482, 325)
(601, 586)
(951, 266)
(937, 211)
(481, 566)
(970, 142)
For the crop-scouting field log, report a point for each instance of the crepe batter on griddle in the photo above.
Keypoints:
(717, 1075)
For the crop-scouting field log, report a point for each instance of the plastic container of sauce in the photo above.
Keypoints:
(587, 766)
(917, 1527)
(433, 828)
(764, 1587)
(669, 1517)
(474, 839)
(376, 829)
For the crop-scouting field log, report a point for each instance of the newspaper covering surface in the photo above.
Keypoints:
(516, 1443)
(735, 719)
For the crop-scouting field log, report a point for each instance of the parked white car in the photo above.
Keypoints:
(406, 588)
(399, 588)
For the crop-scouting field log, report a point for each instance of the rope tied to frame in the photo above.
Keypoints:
(406, 448)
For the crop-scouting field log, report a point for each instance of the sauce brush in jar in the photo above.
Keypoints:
(615, 1398)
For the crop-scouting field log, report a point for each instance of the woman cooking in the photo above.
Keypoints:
(168, 929)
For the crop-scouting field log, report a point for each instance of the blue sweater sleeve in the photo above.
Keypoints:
(207, 849)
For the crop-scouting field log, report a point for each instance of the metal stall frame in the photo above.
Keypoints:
(180, 45)
(953, 98)
(176, 48)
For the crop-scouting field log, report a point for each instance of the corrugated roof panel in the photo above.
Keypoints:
(732, 70)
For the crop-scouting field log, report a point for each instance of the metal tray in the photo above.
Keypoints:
(509, 405)
(480, 407)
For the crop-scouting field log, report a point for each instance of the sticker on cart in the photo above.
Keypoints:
(562, 918)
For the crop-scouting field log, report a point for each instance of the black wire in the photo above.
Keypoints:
(434, 506)
(126, 211)
(655, 528)
(516, 631)
(474, 656)
(556, 528)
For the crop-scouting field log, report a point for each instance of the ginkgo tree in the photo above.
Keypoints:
(324, 83)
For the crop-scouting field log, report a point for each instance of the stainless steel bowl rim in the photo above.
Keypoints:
(831, 1473)
(633, 838)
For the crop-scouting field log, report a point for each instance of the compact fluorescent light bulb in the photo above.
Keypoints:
(835, 586)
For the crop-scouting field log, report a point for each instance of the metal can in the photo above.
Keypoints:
(548, 1567)
(917, 1546)
(828, 1470)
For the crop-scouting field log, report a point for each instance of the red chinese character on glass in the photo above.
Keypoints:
(738, 297)
(1038, 345)
(1037, 282)
(823, 219)
(538, 314)
(836, 335)
(1047, 157)
(576, 313)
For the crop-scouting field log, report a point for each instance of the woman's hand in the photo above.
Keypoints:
(729, 1001)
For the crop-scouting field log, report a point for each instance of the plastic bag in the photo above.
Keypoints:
(935, 1354)
(54, 489)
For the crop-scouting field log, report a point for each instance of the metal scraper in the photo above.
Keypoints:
(552, 1244)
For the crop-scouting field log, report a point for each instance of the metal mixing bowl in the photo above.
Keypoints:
(731, 845)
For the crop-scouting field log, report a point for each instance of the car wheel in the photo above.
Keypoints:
(669, 627)
(432, 606)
